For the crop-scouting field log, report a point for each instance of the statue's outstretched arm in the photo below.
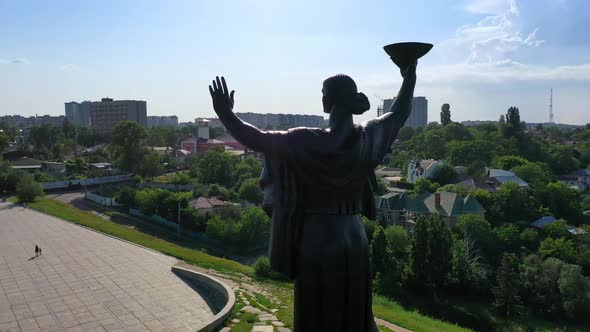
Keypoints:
(394, 120)
(243, 132)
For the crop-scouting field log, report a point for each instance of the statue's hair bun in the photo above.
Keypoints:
(362, 103)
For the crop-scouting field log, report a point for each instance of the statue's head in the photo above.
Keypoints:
(340, 90)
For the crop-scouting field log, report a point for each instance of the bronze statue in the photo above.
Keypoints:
(317, 183)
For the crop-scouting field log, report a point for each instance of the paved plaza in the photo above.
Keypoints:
(86, 281)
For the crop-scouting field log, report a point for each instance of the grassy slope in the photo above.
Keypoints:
(413, 320)
(384, 309)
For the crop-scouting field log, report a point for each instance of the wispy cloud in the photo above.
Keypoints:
(482, 53)
(70, 67)
(493, 38)
(19, 61)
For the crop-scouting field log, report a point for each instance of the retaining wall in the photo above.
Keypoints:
(221, 291)
(102, 200)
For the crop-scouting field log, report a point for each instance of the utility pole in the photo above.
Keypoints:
(178, 220)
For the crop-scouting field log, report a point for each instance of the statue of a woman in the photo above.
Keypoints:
(318, 182)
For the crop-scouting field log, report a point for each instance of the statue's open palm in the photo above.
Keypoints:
(223, 102)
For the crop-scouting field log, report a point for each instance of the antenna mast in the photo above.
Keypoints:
(551, 106)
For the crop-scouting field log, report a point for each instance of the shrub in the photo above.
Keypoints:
(126, 196)
(27, 189)
(250, 191)
(262, 270)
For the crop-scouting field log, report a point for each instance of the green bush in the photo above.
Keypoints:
(27, 189)
(127, 196)
(262, 270)
(251, 229)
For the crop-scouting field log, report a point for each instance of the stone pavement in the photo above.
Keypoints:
(86, 281)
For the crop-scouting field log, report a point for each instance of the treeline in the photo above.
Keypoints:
(473, 147)
(521, 270)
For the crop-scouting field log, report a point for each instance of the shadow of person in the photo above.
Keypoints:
(30, 259)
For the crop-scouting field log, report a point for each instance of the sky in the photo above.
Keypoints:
(488, 55)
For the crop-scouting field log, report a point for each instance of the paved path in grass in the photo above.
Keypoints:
(391, 326)
(86, 281)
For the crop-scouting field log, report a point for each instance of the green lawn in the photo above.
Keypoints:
(383, 308)
(413, 320)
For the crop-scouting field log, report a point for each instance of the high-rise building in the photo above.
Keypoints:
(78, 113)
(105, 114)
(158, 121)
(418, 116)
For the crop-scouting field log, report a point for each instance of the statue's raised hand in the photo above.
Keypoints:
(223, 102)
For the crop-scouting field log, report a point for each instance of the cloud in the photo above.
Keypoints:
(488, 6)
(70, 67)
(19, 61)
(494, 38)
(482, 53)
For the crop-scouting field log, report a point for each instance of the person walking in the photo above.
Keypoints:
(36, 250)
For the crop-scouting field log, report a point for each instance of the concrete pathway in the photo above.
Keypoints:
(86, 281)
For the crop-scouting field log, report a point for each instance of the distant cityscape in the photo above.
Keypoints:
(101, 116)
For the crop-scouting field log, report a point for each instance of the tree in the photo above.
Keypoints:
(508, 162)
(430, 259)
(128, 145)
(574, 289)
(555, 230)
(150, 166)
(250, 191)
(561, 248)
(512, 204)
(246, 168)
(456, 132)
(533, 172)
(370, 226)
(254, 227)
(530, 238)
(512, 127)
(405, 133)
(4, 141)
(477, 229)
(445, 114)
(562, 201)
(561, 159)
(461, 274)
(509, 237)
(539, 283)
(398, 241)
(379, 254)
(126, 196)
(444, 175)
(461, 153)
(423, 185)
(217, 166)
(506, 298)
(476, 169)
(27, 189)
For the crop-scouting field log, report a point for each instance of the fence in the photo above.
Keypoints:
(85, 182)
(174, 227)
(106, 201)
(170, 186)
